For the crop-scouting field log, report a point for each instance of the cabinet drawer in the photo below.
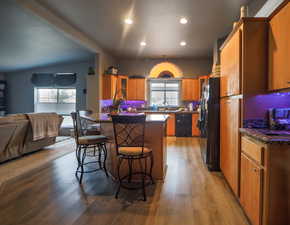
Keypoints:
(253, 150)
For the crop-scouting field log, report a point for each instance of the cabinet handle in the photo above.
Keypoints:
(288, 82)
(255, 170)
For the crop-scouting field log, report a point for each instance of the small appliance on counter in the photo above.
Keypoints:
(279, 118)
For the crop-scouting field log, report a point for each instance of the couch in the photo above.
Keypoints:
(16, 137)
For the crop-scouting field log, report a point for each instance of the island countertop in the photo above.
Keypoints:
(105, 117)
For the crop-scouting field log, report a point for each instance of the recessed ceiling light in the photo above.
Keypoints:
(183, 43)
(183, 20)
(128, 21)
(143, 43)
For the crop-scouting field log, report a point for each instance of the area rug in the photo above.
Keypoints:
(26, 164)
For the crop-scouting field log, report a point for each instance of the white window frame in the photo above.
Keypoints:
(57, 96)
(165, 91)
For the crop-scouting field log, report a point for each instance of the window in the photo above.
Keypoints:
(47, 95)
(56, 95)
(59, 100)
(164, 92)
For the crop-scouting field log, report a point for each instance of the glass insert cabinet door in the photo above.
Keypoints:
(164, 92)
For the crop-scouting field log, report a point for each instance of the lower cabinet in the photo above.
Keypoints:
(194, 128)
(251, 189)
(265, 182)
(230, 141)
(171, 125)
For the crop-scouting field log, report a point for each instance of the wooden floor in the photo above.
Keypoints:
(189, 195)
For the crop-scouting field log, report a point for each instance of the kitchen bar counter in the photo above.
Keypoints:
(168, 112)
(105, 118)
(155, 138)
(267, 136)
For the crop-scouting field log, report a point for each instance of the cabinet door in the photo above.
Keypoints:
(131, 89)
(171, 125)
(251, 190)
(136, 89)
(230, 66)
(190, 89)
(279, 50)
(140, 89)
(195, 130)
(109, 86)
(122, 86)
(230, 141)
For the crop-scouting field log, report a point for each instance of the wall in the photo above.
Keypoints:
(94, 88)
(189, 67)
(256, 107)
(21, 90)
(263, 8)
(2, 76)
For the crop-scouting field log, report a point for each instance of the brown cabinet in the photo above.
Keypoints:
(244, 58)
(279, 50)
(109, 86)
(195, 130)
(122, 86)
(230, 70)
(243, 74)
(136, 89)
(265, 182)
(190, 89)
(171, 125)
(230, 141)
(251, 189)
(114, 84)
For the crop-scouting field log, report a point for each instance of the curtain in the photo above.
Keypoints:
(52, 80)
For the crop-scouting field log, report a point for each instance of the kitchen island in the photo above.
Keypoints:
(155, 138)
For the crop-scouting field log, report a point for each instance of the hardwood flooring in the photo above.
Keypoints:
(190, 195)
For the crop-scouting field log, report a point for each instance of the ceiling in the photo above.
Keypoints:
(27, 41)
(155, 21)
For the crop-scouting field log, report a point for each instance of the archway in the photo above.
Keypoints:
(165, 67)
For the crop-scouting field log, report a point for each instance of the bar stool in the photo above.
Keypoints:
(89, 127)
(93, 146)
(129, 132)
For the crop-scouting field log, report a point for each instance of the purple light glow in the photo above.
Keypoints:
(257, 106)
(125, 105)
(132, 104)
(106, 103)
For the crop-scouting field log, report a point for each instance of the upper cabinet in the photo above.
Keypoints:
(122, 86)
(244, 58)
(230, 70)
(114, 84)
(190, 89)
(279, 49)
(136, 89)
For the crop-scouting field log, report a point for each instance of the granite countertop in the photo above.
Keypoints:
(105, 118)
(168, 111)
(268, 136)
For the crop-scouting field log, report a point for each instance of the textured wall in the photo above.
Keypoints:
(263, 8)
(189, 67)
(2, 76)
(21, 91)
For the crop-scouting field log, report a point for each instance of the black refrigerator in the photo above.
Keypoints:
(209, 123)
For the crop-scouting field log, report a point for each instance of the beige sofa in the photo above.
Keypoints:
(16, 137)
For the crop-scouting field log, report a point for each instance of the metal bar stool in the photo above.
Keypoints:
(93, 146)
(129, 132)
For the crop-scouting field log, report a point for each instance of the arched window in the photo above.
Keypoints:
(166, 74)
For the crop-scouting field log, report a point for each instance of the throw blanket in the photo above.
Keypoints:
(44, 125)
